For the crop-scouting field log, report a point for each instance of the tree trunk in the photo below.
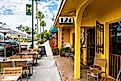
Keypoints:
(43, 28)
(40, 29)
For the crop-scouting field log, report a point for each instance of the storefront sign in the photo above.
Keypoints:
(66, 20)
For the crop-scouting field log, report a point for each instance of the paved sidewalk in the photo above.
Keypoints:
(47, 69)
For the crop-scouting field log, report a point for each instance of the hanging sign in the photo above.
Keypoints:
(66, 20)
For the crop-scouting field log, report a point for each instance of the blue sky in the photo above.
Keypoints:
(13, 12)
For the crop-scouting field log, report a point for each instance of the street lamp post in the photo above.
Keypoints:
(19, 44)
(36, 13)
(4, 45)
(32, 23)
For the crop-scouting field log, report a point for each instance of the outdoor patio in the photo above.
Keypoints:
(45, 70)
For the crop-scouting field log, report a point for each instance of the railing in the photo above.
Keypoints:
(114, 65)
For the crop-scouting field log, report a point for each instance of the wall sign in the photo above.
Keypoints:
(66, 20)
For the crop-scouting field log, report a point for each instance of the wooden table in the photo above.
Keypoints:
(10, 78)
(28, 60)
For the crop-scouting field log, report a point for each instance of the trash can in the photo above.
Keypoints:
(42, 51)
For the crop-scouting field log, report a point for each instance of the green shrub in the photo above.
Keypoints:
(62, 52)
(41, 41)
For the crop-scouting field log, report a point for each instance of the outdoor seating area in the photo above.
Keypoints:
(18, 66)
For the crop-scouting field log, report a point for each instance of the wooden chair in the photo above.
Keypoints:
(96, 69)
(112, 79)
(13, 71)
(25, 66)
(6, 64)
(34, 56)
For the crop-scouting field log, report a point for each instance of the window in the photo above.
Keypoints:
(115, 38)
(99, 38)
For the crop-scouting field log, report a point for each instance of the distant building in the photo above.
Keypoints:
(54, 38)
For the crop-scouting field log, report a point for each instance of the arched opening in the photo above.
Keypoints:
(104, 11)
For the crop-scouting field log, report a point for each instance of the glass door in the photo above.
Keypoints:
(115, 48)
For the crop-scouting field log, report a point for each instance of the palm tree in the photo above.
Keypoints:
(28, 30)
(24, 29)
(19, 27)
(40, 16)
(43, 24)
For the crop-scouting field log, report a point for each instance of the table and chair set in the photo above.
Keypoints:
(18, 66)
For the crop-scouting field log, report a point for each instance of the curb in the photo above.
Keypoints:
(58, 70)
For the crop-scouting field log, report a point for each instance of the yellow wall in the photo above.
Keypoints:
(104, 14)
(71, 36)
(77, 51)
(60, 37)
(66, 35)
(77, 19)
(110, 12)
(103, 11)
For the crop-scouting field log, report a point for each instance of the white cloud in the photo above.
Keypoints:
(17, 9)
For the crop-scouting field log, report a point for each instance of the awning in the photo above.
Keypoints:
(54, 30)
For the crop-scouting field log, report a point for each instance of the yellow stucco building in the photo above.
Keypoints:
(95, 33)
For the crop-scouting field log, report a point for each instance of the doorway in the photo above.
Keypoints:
(115, 48)
(88, 43)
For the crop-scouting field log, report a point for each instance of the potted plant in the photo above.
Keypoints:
(55, 51)
(62, 52)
